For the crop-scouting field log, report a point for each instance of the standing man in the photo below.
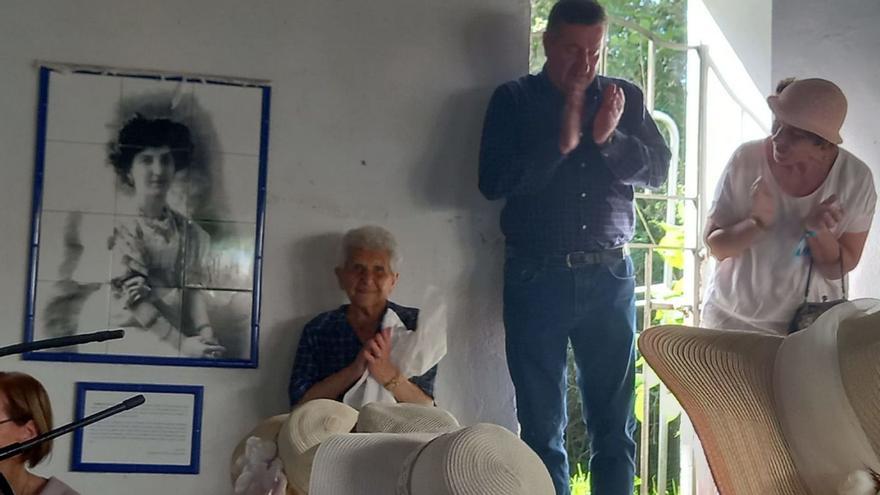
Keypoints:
(565, 149)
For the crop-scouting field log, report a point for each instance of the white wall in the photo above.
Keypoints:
(376, 112)
(747, 26)
(839, 41)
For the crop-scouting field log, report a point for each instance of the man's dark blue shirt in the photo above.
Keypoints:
(556, 203)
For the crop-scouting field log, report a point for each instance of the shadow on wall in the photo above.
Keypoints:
(312, 261)
(473, 380)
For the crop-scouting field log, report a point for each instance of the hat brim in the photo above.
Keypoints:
(484, 459)
(363, 462)
(783, 114)
(380, 417)
(858, 342)
(723, 379)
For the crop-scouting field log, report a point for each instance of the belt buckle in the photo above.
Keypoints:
(576, 258)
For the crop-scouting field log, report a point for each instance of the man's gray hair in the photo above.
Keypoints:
(373, 238)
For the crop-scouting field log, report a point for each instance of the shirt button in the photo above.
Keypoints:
(583, 227)
(583, 195)
(583, 165)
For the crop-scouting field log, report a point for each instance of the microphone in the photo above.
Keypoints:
(14, 449)
(85, 338)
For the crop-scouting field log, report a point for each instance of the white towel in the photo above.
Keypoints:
(413, 352)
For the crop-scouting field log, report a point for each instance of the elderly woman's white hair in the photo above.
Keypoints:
(373, 238)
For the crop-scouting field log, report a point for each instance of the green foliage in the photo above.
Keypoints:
(580, 485)
(627, 58)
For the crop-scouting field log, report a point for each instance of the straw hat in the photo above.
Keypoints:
(267, 430)
(299, 471)
(483, 459)
(306, 427)
(384, 417)
(363, 463)
(814, 105)
(741, 391)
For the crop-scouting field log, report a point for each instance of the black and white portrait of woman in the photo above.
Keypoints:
(150, 217)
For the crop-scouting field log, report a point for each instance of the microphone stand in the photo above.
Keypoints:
(17, 448)
(62, 341)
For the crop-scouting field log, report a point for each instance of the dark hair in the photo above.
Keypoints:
(783, 83)
(585, 12)
(27, 400)
(141, 133)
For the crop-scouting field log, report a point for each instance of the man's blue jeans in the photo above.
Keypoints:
(546, 305)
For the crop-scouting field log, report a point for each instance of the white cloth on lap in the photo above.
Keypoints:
(413, 352)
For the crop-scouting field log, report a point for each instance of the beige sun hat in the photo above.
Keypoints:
(267, 430)
(483, 459)
(815, 105)
(385, 417)
(299, 471)
(306, 427)
(787, 415)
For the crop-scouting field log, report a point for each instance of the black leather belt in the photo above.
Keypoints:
(577, 258)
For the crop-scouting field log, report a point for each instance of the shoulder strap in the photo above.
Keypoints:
(810, 278)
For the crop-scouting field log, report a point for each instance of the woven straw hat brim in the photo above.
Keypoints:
(724, 381)
(267, 430)
(311, 423)
(299, 470)
(368, 463)
(483, 459)
(381, 417)
(858, 345)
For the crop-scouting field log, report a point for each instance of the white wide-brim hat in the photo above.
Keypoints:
(363, 463)
(483, 459)
(384, 417)
(761, 403)
(814, 105)
(306, 427)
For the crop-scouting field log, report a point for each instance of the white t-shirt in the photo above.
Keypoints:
(761, 288)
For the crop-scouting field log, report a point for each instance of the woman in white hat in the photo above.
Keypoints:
(338, 347)
(792, 204)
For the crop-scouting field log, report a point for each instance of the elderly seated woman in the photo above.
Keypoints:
(337, 347)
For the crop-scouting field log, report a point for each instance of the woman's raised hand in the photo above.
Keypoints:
(824, 216)
(378, 356)
(763, 203)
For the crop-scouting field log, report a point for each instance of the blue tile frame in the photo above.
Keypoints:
(34, 242)
(76, 463)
